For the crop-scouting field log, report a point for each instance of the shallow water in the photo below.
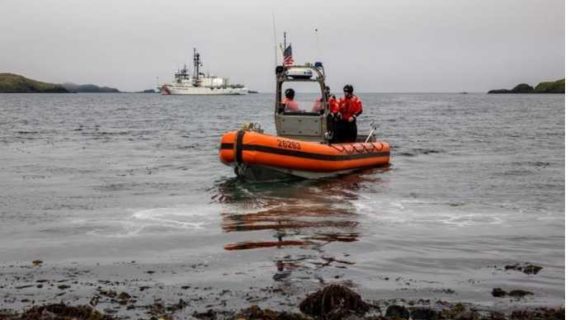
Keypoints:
(476, 183)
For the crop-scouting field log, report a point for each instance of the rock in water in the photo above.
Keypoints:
(498, 292)
(424, 314)
(519, 293)
(397, 312)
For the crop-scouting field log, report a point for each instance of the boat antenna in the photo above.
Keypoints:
(317, 44)
(274, 37)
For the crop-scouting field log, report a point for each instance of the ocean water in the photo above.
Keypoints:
(476, 183)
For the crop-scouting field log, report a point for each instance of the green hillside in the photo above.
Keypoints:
(543, 87)
(550, 87)
(91, 88)
(13, 83)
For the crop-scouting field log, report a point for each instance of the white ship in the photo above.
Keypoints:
(200, 83)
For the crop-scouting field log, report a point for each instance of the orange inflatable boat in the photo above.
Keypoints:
(305, 143)
(256, 155)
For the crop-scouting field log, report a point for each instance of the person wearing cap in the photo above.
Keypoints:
(349, 107)
(289, 101)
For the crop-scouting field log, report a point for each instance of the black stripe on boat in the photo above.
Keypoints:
(314, 156)
(226, 146)
(239, 146)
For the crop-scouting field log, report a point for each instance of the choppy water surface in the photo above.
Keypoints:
(476, 183)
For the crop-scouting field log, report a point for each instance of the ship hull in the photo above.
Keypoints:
(190, 90)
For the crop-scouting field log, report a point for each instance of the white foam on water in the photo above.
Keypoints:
(135, 222)
(180, 218)
(471, 219)
(106, 227)
(391, 211)
(116, 229)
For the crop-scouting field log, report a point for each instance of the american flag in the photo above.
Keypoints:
(288, 56)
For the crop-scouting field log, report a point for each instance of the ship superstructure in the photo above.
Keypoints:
(200, 83)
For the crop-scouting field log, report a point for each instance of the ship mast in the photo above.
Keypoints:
(197, 63)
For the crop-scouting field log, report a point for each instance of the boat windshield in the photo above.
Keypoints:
(301, 97)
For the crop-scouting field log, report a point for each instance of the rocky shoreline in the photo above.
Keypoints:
(332, 302)
(137, 291)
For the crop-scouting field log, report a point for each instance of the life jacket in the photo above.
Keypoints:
(333, 105)
(290, 105)
(351, 107)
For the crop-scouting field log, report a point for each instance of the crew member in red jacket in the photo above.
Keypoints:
(333, 104)
(349, 107)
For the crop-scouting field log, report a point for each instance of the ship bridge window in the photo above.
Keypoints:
(306, 97)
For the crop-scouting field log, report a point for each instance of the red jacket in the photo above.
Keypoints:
(333, 105)
(351, 107)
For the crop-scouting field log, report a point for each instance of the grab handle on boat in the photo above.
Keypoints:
(374, 127)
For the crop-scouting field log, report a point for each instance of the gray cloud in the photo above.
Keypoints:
(387, 46)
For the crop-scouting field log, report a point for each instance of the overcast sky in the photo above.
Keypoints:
(377, 45)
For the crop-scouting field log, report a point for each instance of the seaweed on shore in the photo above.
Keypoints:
(58, 311)
(255, 312)
(334, 302)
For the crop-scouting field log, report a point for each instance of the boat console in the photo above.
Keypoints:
(307, 125)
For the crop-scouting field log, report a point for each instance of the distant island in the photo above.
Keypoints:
(14, 83)
(72, 87)
(543, 87)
